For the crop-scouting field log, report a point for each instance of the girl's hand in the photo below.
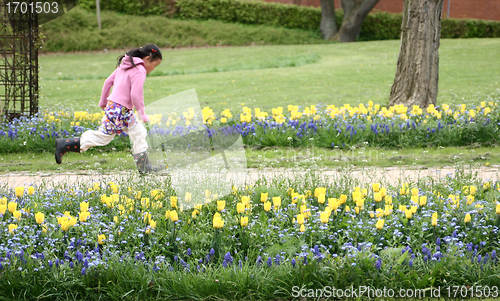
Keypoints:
(143, 116)
(103, 107)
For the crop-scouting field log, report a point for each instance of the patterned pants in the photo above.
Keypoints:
(117, 119)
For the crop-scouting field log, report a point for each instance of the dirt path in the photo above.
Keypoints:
(392, 175)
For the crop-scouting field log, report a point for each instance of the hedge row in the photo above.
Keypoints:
(377, 25)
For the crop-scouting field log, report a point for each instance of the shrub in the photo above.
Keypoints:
(378, 25)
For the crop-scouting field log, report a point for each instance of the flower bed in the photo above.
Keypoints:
(104, 238)
(321, 126)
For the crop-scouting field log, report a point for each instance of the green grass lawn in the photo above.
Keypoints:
(272, 76)
(306, 158)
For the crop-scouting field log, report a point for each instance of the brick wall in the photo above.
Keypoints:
(473, 9)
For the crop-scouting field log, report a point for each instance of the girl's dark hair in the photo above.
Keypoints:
(150, 50)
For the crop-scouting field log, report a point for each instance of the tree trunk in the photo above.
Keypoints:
(355, 11)
(328, 26)
(416, 81)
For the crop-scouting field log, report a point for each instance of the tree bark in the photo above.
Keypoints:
(416, 81)
(355, 11)
(328, 26)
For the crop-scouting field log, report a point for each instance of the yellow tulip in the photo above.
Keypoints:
(240, 208)
(167, 214)
(221, 205)
(115, 219)
(31, 190)
(498, 208)
(300, 218)
(19, 191)
(187, 198)
(263, 196)
(467, 218)
(101, 238)
(84, 216)
(408, 214)
(324, 217)
(12, 206)
(277, 201)
(218, 223)
(414, 199)
(377, 196)
(3, 208)
(383, 191)
(152, 224)
(414, 191)
(343, 198)
(173, 201)
(17, 214)
(302, 228)
(473, 190)
(12, 227)
(39, 217)
(423, 200)
(147, 217)
(244, 221)
(65, 224)
(245, 200)
(388, 200)
(356, 209)
(347, 208)
(404, 189)
(321, 198)
(333, 204)
(174, 216)
(267, 206)
(413, 209)
(380, 224)
(376, 187)
(84, 206)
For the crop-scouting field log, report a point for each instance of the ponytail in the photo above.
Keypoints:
(150, 50)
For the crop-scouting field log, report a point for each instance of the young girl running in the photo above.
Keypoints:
(127, 81)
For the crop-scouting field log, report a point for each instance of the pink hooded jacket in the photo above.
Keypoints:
(127, 82)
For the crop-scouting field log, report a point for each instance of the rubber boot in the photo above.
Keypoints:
(143, 164)
(64, 145)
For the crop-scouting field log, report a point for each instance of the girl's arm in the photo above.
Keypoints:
(137, 94)
(108, 83)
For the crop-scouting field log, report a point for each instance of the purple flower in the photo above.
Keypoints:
(212, 252)
(378, 264)
(79, 256)
(84, 271)
(269, 262)
(294, 262)
(188, 252)
(228, 258)
(259, 260)
(410, 263)
(71, 264)
(224, 263)
(240, 264)
(438, 241)
(277, 259)
(479, 258)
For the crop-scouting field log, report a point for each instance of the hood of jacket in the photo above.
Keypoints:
(126, 64)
